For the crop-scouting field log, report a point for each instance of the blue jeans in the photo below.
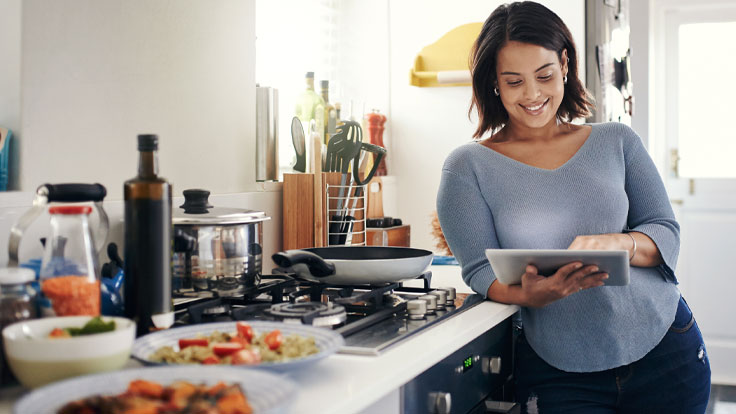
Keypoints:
(674, 377)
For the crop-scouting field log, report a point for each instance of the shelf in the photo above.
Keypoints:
(445, 62)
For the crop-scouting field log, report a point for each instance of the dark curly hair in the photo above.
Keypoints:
(526, 22)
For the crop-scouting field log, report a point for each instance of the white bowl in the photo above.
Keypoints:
(36, 359)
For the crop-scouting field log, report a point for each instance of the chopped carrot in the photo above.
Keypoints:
(234, 403)
(147, 409)
(145, 388)
(215, 389)
(180, 393)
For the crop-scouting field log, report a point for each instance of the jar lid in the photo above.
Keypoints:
(196, 210)
(16, 275)
(70, 210)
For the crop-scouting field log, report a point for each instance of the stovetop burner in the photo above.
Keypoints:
(310, 313)
(370, 318)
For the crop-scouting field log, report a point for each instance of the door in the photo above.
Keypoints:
(695, 132)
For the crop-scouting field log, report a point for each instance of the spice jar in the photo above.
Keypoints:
(70, 274)
(17, 303)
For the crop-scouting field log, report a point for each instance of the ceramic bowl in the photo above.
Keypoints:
(36, 359)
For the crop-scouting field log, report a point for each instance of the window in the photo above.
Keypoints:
(294, 37)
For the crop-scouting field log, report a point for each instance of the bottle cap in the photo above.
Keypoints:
(325, 84)
(16, 275)
(147, 142)
(70, 210)
(310, 75)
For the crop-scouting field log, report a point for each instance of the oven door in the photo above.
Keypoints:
(472, 380)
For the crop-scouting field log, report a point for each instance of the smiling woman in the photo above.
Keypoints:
(540, 182)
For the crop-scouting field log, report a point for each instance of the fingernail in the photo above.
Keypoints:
(578, 265)
(594, 269)
(605, 277)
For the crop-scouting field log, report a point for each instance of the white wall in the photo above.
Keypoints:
(95, 74)
(81, 78)
(427, 123)
(10, 11)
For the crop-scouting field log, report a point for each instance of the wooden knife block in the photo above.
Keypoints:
(298, 210)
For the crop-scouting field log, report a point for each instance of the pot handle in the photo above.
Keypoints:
(318, 267)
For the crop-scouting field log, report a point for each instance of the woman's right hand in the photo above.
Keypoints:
(539, 291)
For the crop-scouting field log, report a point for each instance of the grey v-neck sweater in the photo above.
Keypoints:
(487, 200)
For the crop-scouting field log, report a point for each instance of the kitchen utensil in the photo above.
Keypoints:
(341, 150)
(327, 341)
(356, 264)
(60, 193)
(297, 138)
(216, 249)
(36, 359)
(317, 162)
(359, 163)
(267, 392)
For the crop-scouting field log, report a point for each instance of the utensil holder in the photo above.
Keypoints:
(299, 226)
(345, 215)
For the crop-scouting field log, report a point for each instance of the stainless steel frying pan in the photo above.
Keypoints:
(356, 265)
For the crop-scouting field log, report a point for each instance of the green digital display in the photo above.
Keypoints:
(467, 363)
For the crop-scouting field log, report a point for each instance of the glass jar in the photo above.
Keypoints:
(70, 274)
(17, 303)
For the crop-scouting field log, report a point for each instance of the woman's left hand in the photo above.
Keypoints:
(616, 241)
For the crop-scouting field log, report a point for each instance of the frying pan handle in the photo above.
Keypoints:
(318, 267)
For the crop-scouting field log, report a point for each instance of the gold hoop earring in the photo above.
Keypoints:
(496, 92)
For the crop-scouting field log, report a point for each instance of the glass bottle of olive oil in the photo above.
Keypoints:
(148, 230)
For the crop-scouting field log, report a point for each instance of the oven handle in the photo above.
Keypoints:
(502, 407)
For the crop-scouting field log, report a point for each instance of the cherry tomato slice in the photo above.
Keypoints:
(246, 357)
(274, 339)
(245, 331)
(226, 348)
(211, 360)
(185, 342)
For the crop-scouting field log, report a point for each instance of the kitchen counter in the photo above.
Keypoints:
(351, 383)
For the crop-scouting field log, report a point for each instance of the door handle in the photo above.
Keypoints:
(675, 162)
(677, 201)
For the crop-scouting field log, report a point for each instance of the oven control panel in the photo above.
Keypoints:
(464, 380)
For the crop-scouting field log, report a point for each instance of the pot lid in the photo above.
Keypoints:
(197, 210)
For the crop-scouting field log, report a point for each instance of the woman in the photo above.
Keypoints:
(541, 182)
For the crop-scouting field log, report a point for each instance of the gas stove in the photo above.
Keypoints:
(370, 318)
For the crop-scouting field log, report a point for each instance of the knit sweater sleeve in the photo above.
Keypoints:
(467, 223)
(650, 211)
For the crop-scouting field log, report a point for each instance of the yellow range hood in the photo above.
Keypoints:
(446, 61)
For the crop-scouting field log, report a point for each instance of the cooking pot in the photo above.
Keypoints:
(217, 250)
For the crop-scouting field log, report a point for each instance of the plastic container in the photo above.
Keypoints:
(17, 303)
(70, 274)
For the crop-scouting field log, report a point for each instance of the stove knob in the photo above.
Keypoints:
(450, 295)
(416, 308)
(441, 298)
(431, 303)
(494, 364)
(440, 402)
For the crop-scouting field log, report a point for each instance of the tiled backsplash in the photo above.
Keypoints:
(14, 204)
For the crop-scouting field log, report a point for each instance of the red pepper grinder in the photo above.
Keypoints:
(376, 122)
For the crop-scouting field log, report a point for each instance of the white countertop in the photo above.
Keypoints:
(351, 383)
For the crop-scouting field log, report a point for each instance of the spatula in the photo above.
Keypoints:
(342, 148)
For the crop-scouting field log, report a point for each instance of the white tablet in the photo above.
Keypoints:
(510, 264)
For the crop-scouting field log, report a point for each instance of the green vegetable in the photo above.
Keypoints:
(95, 325)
